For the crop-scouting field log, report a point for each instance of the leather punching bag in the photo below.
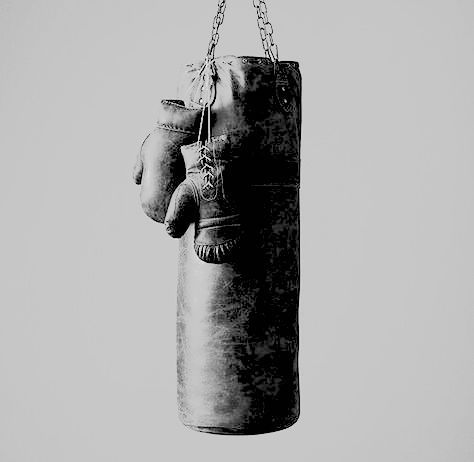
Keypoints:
(235, 209)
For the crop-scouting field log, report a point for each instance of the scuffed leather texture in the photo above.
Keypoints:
(237, 322)
(160, 167)
(212, 192)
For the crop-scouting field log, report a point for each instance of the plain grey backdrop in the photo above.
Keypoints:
(87, 300)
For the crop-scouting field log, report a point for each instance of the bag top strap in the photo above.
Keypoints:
(264, 25)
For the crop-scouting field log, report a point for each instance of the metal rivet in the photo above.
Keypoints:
(244, 60)
(201, 100)
(285, 100)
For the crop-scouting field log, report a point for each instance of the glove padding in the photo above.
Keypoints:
(160, 167)
(210, 196)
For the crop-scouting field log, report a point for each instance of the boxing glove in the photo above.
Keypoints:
(159, 167)
(211, 196)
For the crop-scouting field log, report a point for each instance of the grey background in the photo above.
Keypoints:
(87, 362)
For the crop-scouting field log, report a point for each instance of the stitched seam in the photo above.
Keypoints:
(174, 129)
(195, 188)
(170, 103)
(233, 225)
(205, 221)
(294, 342)
(199, 63)
(197, 242)
(214, 139)
(279, 424)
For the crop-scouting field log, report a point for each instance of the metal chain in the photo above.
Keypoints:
(264, 26)
(206, 158)
(266, 30)
(218, 20)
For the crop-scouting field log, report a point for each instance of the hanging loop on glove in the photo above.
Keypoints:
(206, 162)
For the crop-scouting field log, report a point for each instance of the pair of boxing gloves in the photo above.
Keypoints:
(185, 180)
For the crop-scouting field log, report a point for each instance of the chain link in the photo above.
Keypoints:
(206, 156)
(218, 20)
(264, 25)
(266, 30)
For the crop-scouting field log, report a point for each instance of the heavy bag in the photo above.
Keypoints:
(237, 215)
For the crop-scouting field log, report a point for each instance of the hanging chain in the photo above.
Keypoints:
(264, 26)
(218, 20)
(207, 159)
(266, 30)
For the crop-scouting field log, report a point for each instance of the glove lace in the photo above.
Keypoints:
(206, 159)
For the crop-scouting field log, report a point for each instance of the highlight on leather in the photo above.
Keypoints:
(159, 168)
(202, 198)
(181, 210)
(217, 240)
(232, 197)
(217, 253)
(237, 323)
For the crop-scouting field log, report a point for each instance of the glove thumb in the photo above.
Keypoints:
(182, 209)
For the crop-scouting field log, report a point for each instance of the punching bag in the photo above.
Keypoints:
(236, 214)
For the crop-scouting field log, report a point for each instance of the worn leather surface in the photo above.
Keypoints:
(237, 321)
(211, 196)
(160, 167)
